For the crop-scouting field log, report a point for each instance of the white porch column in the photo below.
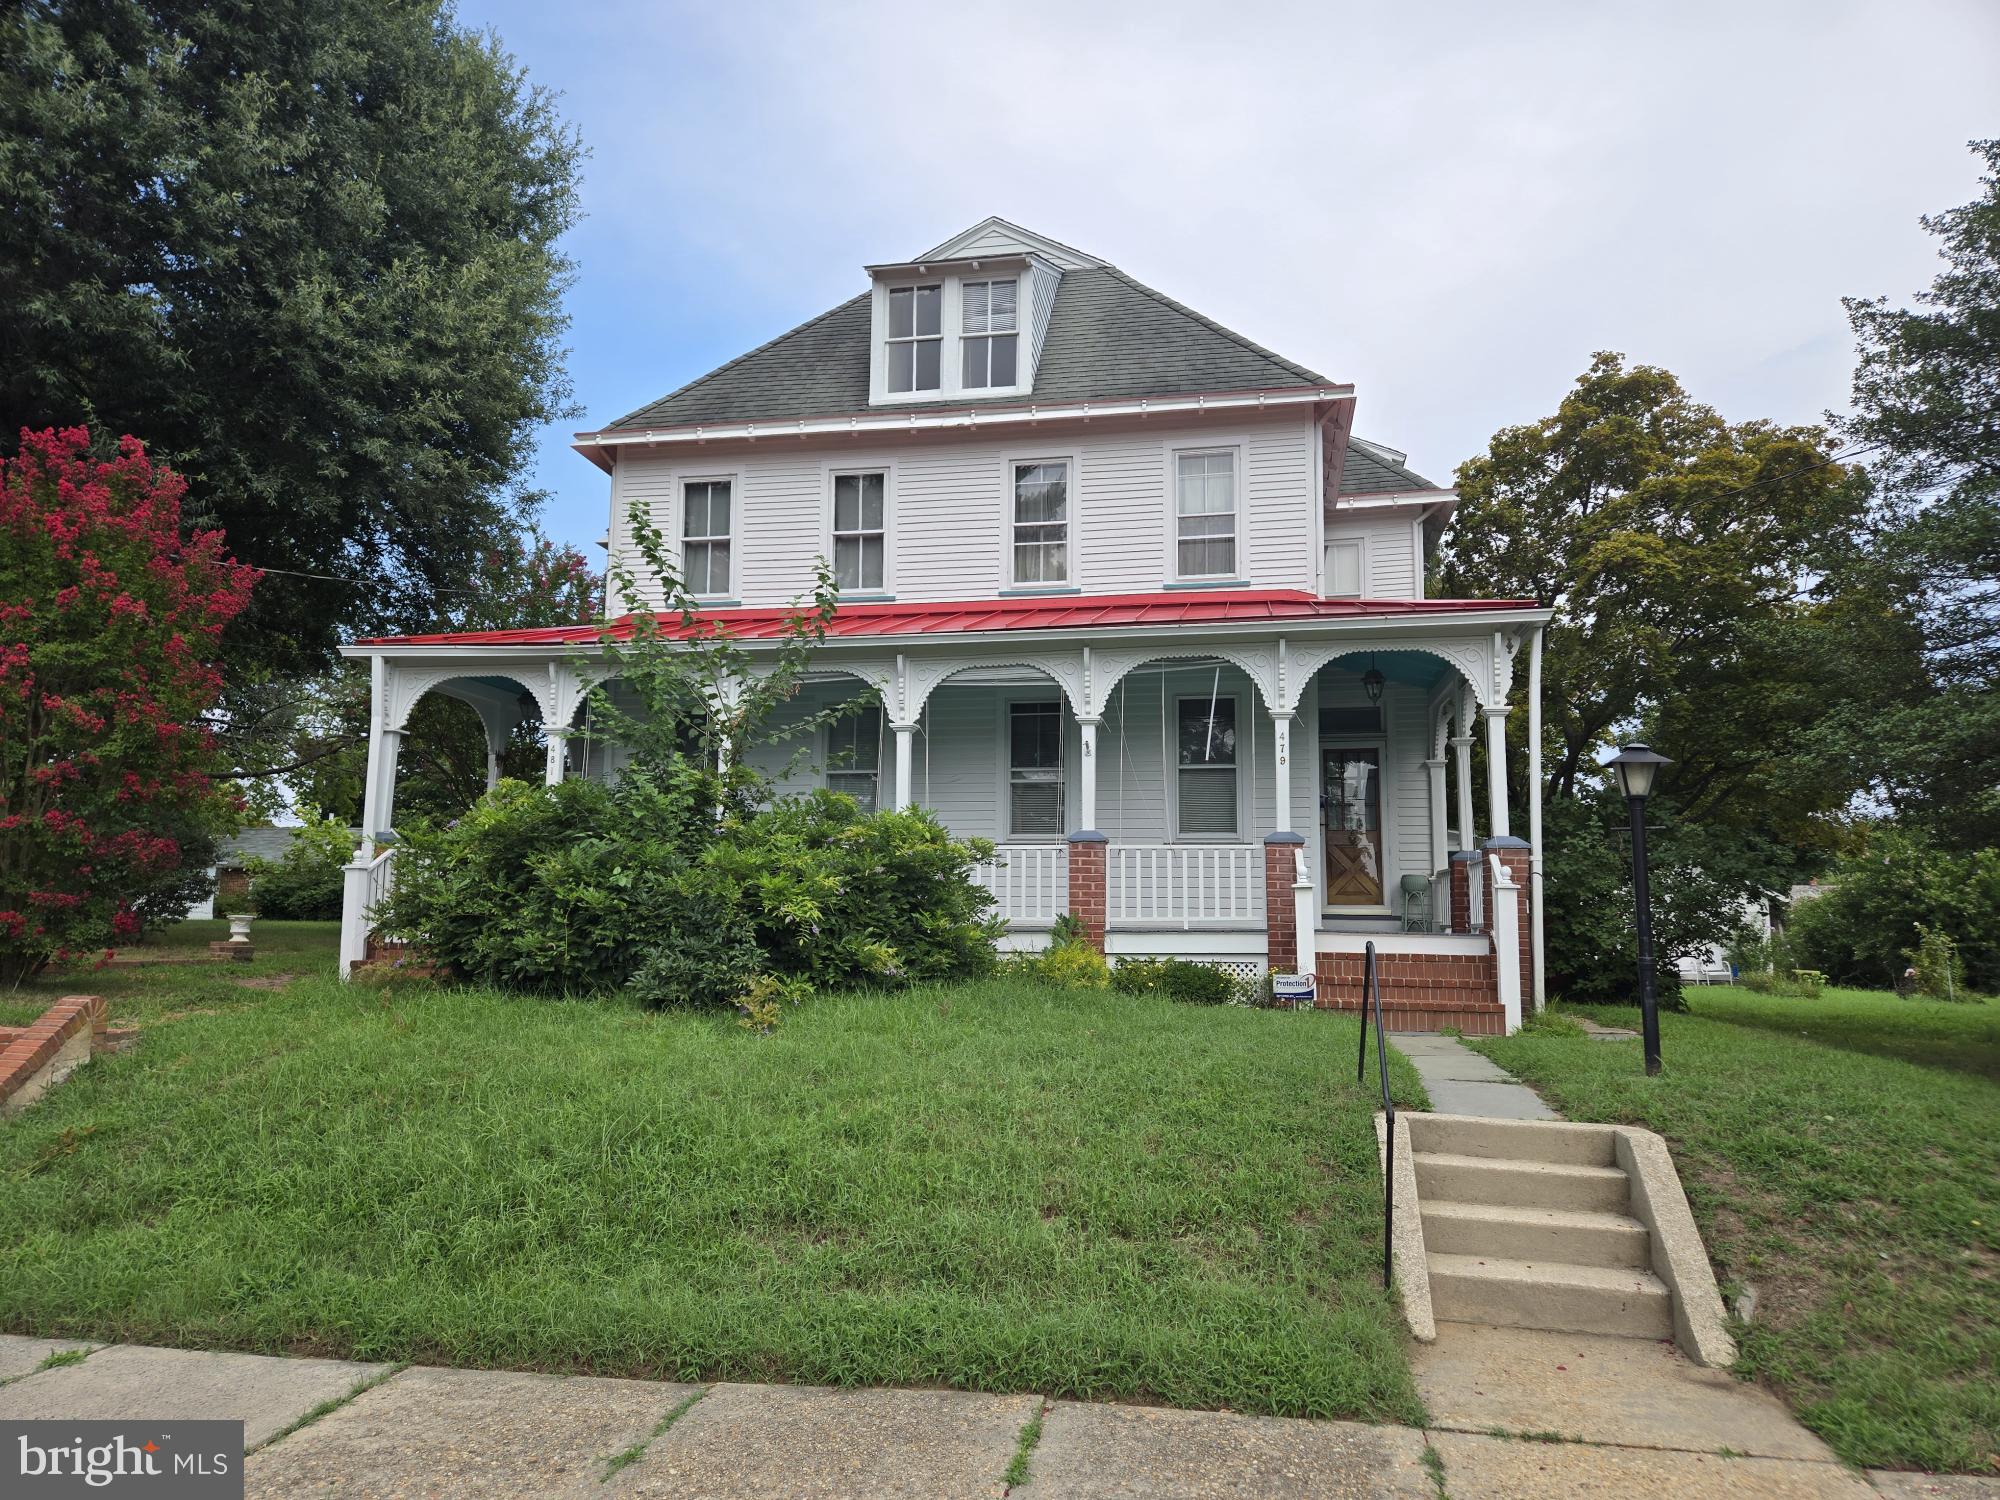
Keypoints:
(1496, 772)
(492, 766)
(1461, 753)
(1439, 852)
(385, 792)
(1505, 924)
(1087, 780)
(1535, 812)
(372, 780)
(1281, 770)
(552, 772)
(906, 735)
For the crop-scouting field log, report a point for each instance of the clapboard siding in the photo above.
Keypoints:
(1390, 569)
(949, 503)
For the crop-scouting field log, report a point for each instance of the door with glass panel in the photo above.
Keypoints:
(1351, 824)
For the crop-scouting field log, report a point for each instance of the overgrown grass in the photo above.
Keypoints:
(1843, 1158)
(996, 1187)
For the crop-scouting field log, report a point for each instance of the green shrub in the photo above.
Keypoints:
(1073, 966)
(1864, 928)
(1179, 979)
(1935, 965)
(307, 884)
(585, 887)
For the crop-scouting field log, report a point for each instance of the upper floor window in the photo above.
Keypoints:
(1041, 522)
(916, 338)
(988, 333)
(1343, 569)
(705, 536)
(1205, 514)
(860, 530)
(1206, 796)
(1034, 770)
(854, 757)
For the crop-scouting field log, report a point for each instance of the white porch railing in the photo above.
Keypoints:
(1186, 885)
(366, 887)
(1029, 882)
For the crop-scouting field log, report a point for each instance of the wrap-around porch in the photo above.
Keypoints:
(1259, 802)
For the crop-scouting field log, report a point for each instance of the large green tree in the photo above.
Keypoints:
(310, 248)
(1927, 408)
(1686, 558)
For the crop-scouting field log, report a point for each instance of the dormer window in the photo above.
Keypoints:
(989, 333)
(916, 338)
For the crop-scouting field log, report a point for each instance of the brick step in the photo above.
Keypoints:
(1467, 1018)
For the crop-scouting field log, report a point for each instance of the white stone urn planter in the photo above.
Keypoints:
(239, 926)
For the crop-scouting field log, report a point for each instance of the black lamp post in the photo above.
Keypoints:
(1637, 766)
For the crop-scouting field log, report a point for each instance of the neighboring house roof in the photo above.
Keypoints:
(1179, 607)
(267, 842)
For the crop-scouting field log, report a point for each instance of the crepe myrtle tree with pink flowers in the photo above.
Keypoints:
(110, 630)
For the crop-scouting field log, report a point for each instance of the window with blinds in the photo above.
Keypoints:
(860, 530)
(1207, 769)
(987, 342)
(854, 757)
(1205, 514)
(1034, 770)
(705, 536)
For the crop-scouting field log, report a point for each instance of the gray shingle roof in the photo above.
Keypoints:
(1369, 471)
(1108, 336)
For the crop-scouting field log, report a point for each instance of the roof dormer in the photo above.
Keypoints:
(965, 322)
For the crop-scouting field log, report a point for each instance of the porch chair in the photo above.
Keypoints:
(1416, 903)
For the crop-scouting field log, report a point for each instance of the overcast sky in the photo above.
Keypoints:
(1451, 206)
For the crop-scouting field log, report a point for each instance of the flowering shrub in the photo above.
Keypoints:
(110, 627)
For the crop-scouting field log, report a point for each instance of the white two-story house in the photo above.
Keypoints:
(1138, 606)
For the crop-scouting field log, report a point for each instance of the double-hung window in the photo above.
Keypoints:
(988, 334)
(854, 757)
(916, 338)
(1205, 514)
(1034, 770)
(860, 530)
(1207, 770)
(1040, 530)
(705, 536)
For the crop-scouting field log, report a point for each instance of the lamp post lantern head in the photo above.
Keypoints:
(1637, 766)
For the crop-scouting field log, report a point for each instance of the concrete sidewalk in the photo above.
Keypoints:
(1461, 1082)
(331, 1427)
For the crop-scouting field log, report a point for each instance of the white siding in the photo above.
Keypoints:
(949, 499)
(1043, 280)
(1390, 568)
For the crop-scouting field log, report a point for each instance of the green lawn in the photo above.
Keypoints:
(989, 1186)
(1843, 1159)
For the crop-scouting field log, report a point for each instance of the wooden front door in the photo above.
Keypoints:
(1351, 819)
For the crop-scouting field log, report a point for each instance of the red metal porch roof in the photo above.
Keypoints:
(1046, 612)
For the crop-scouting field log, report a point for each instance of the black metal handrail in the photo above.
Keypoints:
(1371, 995)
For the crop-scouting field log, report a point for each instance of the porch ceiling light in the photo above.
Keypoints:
(1638, 765)
(1372, 682)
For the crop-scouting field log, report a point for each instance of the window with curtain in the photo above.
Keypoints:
(988, 333)
(859, 530)
(705, 535)
(1207, 766)
(1041, 522)
(916, 337)
(1034, 770)
(1205, 514)
(854, 757)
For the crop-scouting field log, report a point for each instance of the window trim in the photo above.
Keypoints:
(988, 279)
(947, 304)
(1175, 452)
(827, 770)
(1176, 835)
(951, 360)
(1073, 562)
(1009, 699)
(734, 479)
(830, 471)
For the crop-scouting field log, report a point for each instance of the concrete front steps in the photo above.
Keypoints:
(1555, 1226)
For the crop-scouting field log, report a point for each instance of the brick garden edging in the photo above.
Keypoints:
(34, 1047)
